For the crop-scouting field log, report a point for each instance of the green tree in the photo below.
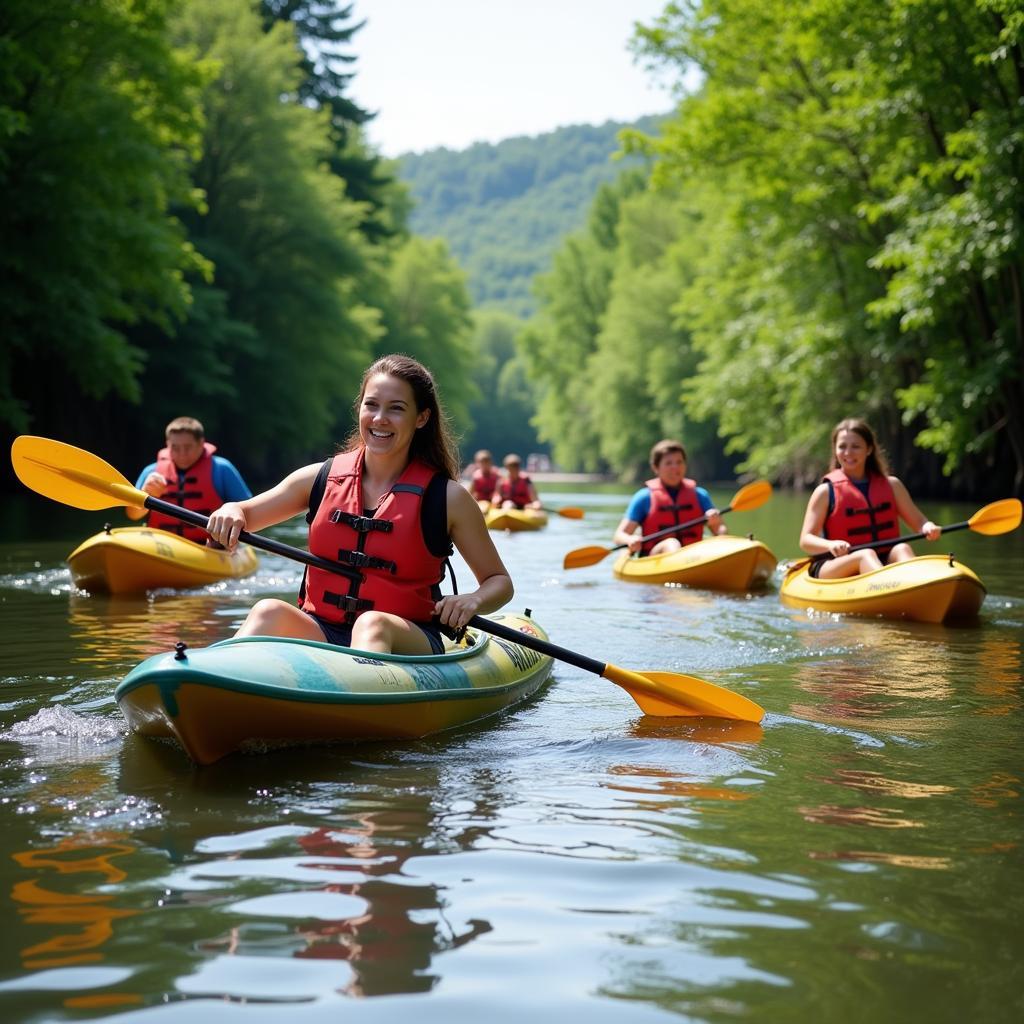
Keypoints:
(98, 117)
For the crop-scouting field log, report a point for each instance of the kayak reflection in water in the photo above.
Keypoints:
(667, 499)
(390, 506)
(858, 502)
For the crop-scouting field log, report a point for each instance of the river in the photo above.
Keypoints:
(855, 858)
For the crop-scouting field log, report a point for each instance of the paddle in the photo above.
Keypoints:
(569, 512)
(998, 517)
(748, 497)
(75, 477)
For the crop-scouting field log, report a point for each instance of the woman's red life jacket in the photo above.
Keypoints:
(859, 519)
(191, 488)
(399, 574)
(517, 491)
(666, 511)
(483, 485)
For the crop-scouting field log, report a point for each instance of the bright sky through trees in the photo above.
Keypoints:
(454, 72)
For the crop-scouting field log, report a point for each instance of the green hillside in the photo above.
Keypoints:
(504, 208)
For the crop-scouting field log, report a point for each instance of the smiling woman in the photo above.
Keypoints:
(389, 506)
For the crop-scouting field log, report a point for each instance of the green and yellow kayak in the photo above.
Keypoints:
(929, 588)
(259, 691)
(714, 563)
(516, 519)
(132, 559)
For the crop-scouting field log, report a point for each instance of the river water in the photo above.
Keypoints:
(856, 858)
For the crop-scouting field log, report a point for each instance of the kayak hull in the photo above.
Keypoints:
(516, 519)
(133, 559)
(262, 691)
(714, 563)
(930, 588)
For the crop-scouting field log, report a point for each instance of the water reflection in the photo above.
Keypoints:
(330, 885)
(124, 628)
(84, 920)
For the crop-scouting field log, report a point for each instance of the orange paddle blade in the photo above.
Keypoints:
(570, 512)
(71, 475)
(751, 496)
(674, 695)
(579, 557)
(999, 517)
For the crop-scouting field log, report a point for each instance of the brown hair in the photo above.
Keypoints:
(185, 425)
(663, 448)
(433, 442)
(876, 461)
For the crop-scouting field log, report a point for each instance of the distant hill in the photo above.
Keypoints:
(504, 208)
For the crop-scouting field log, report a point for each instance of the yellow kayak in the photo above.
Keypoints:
(255, 691)
(516, 519)
(132, 559)
(715, 563)
(930, 588)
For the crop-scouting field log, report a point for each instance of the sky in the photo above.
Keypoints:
(454, 72)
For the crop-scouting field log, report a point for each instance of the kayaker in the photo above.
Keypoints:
(189, 474)
(484, 479)
(515, 489)
(858, 502)
(391, 506)
(668, 498)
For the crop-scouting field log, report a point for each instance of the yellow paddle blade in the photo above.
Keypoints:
(71, 475)
(752, 495)
(999, 517)
(674, 695)
(579, 557)
(570, 512)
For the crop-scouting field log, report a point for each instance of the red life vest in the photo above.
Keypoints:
(192, 489)
(400, 575)
(666, 511)
(483, 485)
(517, 491)
(859, 519)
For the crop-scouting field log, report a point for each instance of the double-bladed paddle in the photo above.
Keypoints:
(749, 496)
(76, 477)
(998, 517)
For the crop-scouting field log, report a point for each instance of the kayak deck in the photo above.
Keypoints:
(715, 563)
(133, 559)
(929, 588)
(268, 690)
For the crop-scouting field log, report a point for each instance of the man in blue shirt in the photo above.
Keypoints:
(187, 473)
(667, 500)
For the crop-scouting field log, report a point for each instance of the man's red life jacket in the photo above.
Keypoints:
(483, 485)
(859, 519)
(191, 488)
(667, 511)
(517, 491)
(400, 575)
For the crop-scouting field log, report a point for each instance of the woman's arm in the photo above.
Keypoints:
(470, 535)
(281, 502)
(910, 513)
(811, 539)
(628, 532)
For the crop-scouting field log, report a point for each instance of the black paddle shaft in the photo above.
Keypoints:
(536, 644)
(892, 542)
(255, 540)
(669, 530)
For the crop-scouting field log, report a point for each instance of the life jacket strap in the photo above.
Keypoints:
(361, 524)
(361, 560)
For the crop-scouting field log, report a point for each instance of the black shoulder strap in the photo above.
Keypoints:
(434, 516)
(316, 494)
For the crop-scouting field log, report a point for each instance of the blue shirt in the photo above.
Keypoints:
(640, 503)
(227, 481)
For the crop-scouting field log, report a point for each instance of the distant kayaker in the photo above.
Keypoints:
(389, 505)
(187, 473)
(858, 502)
(668, 499)
(515, 489)
(484, 479)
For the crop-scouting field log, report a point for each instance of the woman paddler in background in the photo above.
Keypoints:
(667, 499)
(392, 499)
(858, 502)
